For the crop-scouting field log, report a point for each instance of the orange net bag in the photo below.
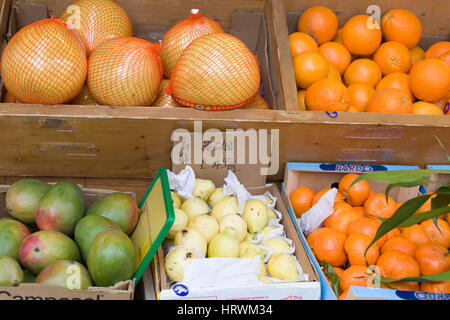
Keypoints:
(215, 72)
(164, 99)
(124, 72)
(84, 97)
(257, 103)
(44, 63)
(9, 98)
(181, 35)
(96, 21)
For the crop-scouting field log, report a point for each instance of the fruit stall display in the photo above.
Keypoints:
(51, 232)
(73, 136)
(370, 235)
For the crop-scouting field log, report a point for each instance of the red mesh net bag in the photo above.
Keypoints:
(181, 35)
(44, 63)
(124, 72)
(215, 72)
(164, 99)
(96, 21)
(257, 103)
(84, 97)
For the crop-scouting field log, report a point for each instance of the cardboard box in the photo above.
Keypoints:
(443, 177)
(31, 291)
(154, 282)
(318, 176)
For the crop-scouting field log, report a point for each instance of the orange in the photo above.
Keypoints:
(301, 42)
(393, 233)
(441, 103)
(343, 295)
(437, 287)
(445, 57)
(422, 107)
(416, 235)
(377, 206)
(334, 74)
(430, 79)
(441, 235)
(390, 100)
(327, 95)
(311, 238)
(397, 265)
(437, 48)
(353, 109)
(301, 200)
(417, 53)
(432, 259)
(319, 22)
(403, 26)
(336, 54)
(400, 244)
(320, 194)
(396, 80)
(392, 57)
(360, 210)
(337, 270)
(309, 67)
(404, 286)
(361, 35)
(355, 246)
(367, 226)
(358, 193)
(355, 275)
(344, 219)
(301, 100)
(426, 206)
(363, 70)
(338, 207)
(338, 37)
(329, 248)
(360, 94)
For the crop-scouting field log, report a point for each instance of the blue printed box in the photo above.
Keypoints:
(318, 176)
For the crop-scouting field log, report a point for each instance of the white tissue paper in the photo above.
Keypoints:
(221, 272)
(182, 182)
(314, 217)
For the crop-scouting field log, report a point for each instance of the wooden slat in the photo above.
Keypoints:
(109, 142)
(280, 54)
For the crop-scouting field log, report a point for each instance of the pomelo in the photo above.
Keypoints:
(44, 63)
(124, 72)
(181, 35)
(96, 21)
(215, 72)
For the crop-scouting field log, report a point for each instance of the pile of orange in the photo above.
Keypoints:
(345, 235)
(368, 67)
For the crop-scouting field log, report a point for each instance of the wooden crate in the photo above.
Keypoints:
(433, 15)
(132, 143)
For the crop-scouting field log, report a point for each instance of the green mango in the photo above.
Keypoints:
(111, 258)
(23, 197)
(12, 234)
(118, 207)
(61, 208)
(88, 228)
